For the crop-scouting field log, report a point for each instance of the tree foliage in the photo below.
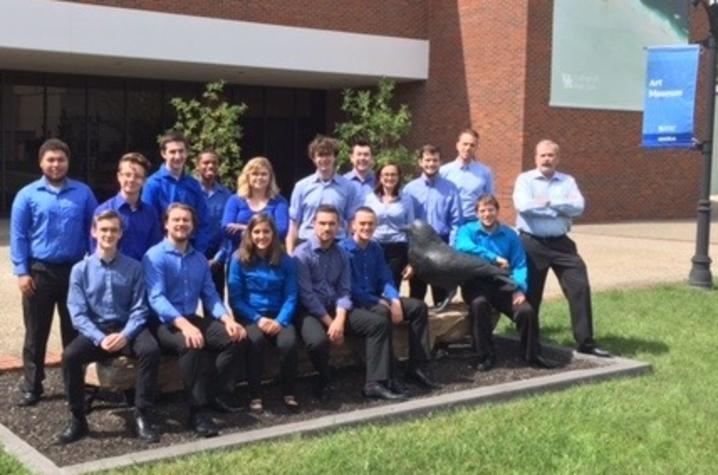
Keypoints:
(212, 123)
(371, 116)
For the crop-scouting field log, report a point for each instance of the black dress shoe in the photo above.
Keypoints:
(379, 391)
(539, 361)
(322, 391)
(28, 398)
(595, 351)
(144, 430)
(398, 387)
(486, 363)
(420, 378)
(74, 431)
(224, 403)
(203, 425)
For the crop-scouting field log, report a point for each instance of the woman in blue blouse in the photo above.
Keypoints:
(257, 192)
(263, 295)
(394, 212)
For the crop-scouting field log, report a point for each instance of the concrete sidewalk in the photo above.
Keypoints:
(618, 256)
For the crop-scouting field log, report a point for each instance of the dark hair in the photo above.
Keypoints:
(53, 145)
(171, 136)
(364, 209)
(322, 145)
(326, 209)
(137, 159)
(362, 142)
(209, 151)
(182, 206)
(487, 199)
(429, 150)
(107, 214)
(471, 132)
(379, 188)
(247, 251)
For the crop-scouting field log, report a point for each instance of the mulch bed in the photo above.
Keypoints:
(111, 419)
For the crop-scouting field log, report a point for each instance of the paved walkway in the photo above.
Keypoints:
(618, 256)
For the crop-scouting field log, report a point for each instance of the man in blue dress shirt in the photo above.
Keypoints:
(141, 225)
(436, 201)
(216, 196)
(500, 245)
(108, 308)
(327, 312)
(362, 174)
(49, 232)
(177, 277)
(170, 184)
(471, 177)
(373, 290)
(546, 201)
(323, 187)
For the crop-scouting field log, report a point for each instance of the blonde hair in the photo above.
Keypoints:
(252, 165)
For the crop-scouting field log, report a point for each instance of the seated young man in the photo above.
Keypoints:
(325, 295)
(498, 244)
(177, 278)
(107, 307)
(373, 290)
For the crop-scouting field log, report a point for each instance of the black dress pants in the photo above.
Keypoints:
(376, 329)
(51, 285)
(560, 255)
(82, 351)
(482, 297)
(396, 255)
(206, 371)
(286, 341)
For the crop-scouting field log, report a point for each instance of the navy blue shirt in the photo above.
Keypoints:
(141, 227)
(50, 225)
(216, 200)
(371, 277)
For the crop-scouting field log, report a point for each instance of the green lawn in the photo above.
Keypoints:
(664, 422)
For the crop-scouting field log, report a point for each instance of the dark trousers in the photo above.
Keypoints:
(416, 313)
(376, 329)
(482, 297)
(286, 341)
(82, 351)
(51, 284)
(206, 371)
(218, 273)
(396, 255)
(417, 290)
(560, 255)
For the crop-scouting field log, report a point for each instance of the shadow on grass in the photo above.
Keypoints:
(617, 344)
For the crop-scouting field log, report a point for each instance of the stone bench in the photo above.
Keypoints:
(118, 374)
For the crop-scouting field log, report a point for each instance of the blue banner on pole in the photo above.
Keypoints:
(670, 95)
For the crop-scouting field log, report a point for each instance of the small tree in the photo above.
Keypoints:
(372, 118)
(212, 123)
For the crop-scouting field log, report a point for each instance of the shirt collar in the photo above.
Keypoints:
(66, 185)
(318, 178)
(537, 175)
(168, 247)
(316, 246)
(120, 201)
(353, 175)
(165, 172)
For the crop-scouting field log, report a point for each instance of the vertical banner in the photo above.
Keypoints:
(670, 96)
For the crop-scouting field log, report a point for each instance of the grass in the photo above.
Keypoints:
(663, 422)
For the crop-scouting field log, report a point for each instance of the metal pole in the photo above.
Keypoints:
(700, 274)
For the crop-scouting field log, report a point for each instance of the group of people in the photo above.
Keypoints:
(127, 276)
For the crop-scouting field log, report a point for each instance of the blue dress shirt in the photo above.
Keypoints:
(392, 218)
(176, 282)
(531, 192)
(216, 199)
(312, 191)
(364, 187)
(473, 180)
(141, 227)
(103, 293)
(502, 242)
(50, 225)
(371, 276)
(237, 211)
(436, 201)
(324, 278)
(162, 189)
(264, 290)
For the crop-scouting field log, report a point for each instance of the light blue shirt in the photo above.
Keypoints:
(533, 189)
(473, 180)
(436, 201)
(176, 282)
(364, 187)
(312, 191)
(107, 293)
(392, 218)
(216, 199)
(50, 225)
(502, 242)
